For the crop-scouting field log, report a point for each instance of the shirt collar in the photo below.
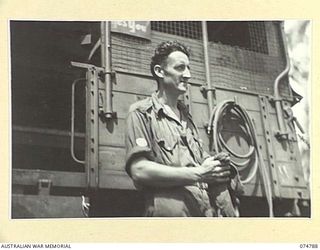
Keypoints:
(158, 107)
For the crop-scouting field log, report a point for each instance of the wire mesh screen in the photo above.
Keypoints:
(251, 68)
(133, 55)
(245, 35)
(188, 29)
(258, 37)
(246, 56)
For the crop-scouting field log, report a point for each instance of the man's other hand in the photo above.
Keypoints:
(212, 171)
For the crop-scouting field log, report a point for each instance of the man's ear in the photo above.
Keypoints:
(158, 71)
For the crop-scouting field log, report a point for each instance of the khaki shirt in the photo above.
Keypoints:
(158, 135)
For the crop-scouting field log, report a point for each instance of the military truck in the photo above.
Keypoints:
(72, 84)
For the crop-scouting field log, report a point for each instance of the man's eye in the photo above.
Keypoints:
(181, 67)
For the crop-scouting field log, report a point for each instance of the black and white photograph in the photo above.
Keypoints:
(160, 119)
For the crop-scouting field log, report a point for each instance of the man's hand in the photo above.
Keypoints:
(215, 169)
(223, 157)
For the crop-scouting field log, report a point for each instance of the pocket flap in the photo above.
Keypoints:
(167, 146)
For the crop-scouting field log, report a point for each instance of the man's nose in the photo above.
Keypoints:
(186, 73)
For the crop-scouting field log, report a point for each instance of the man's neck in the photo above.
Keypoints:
(168, 98)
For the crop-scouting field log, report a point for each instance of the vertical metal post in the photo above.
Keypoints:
(207, 65)
(282, 134)
(269, 147)
(92, 122)
(106, 64)
(92, 127)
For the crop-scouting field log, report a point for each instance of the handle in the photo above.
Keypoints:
(72, 120)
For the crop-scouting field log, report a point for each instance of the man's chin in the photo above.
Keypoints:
(183, 89)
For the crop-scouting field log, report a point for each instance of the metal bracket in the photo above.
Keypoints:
(281, 136)
(44, 186)
(273, 99)
(104, 117)
(204, 90)
(111, 73)
(86, 66)
(104, 112)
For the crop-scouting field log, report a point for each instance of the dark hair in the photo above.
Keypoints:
(163, 50)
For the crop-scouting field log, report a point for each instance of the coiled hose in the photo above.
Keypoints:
(216, 116)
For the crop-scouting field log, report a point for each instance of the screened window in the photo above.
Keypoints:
(246, 35)
(188, 29)
(249, 35)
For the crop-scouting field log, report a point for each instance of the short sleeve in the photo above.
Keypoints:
(137, 139)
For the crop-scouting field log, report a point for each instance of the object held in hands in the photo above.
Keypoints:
(223, 157)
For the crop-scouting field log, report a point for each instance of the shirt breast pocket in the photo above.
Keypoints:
(167, 151)
(167, 145)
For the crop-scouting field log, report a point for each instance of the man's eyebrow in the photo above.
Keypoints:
(182, 62)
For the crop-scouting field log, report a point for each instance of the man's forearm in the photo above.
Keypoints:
(154, 174)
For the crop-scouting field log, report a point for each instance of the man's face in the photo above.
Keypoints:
(176, 73)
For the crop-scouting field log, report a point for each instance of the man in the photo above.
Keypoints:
(165, 157)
